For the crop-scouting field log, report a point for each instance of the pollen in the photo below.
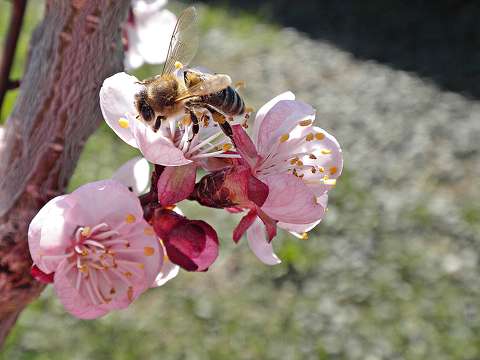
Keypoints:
(309, 137)
(319, 136)
(129, 219)
(294, 161)
(86, 231)
(148, 250)
(148, 231)
(313, 157)
(124, 123)
(141, 266)
(227, 147)
(313, 170)
(128, 274)
(321, 169)
(186, 120)
(284, 138)
(333, 170)
(331, 182)
(178, 65)
(326, 151)
(299, 163)
(304, 236)
(305, 122)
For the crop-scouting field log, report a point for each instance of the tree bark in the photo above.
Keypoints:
(77, 45)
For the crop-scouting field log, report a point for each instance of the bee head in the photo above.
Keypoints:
(144, 109)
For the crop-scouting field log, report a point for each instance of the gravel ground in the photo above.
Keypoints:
(392, 273)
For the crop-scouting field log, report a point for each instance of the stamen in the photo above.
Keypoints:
(148, 250)
(106, 235)
(304, 236)
(333, 170)
(148, 231)
(98, 227)
(130, 219)
(319, 136)
(313, 157)
(94, 243)
(86, 231)
(305, 122)
(309, 137)
(123, 123)
(178, 65)
(284, 138)
(227, 147)
(326, 151)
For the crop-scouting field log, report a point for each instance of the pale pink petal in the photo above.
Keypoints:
(144, 8)
(257, 241)
(71, 299)
(299, 229)
(117, 104)
(154, 30)
(176, 183)
(133, 59)
(104, 201)
(291, 201)
(265, 109)
(277, 124)
(49, 233)
(168, 271)
(134, 174)
(157, 148)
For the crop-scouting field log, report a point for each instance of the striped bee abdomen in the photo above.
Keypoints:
(227, 101)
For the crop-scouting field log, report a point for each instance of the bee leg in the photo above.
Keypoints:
(195, 126)
(158, 123)
(222, 121)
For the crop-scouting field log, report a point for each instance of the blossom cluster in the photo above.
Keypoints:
(109, 241)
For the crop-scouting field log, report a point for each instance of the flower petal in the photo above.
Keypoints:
(277, 124)
(157, 148)
(154, 30)
(176, 183)
(49, 233)
(257, 241)
(134, 174)
(260, 116)
(291, 201)
(168, 271)
(117, 104)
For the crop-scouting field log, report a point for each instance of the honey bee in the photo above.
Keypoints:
(179, 88)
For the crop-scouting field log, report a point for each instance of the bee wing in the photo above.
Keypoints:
(184, 40)
(209, 84)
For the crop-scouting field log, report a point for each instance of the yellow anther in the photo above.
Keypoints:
(148, 231)
(333, 170)
(86, 231)
(304, 236)
(326, 151)
(319, 136)
(305, 122)
(299, 163)
(227, 147)
(130, 293)
(84, 252)
(284, 138)
(83, 269)
(313, 157)
(124, 123)
(294, 161)
(331, 182)
(148, 251)
(321, 169)
(129, 219)
(186, 120)
(141, 266)
(128, 274)
(249, 109)
(178, 65)
(309, 137)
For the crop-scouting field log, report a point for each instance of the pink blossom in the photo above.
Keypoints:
(170, 145)
(147, 33)
(286, 170)
(102, 252)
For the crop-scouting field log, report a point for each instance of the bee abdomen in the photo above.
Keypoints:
(228, 101)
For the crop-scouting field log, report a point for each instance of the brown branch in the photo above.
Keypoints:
(10, 46)
(77, 45)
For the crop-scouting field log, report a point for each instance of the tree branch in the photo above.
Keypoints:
(16, 21)
(77, 45)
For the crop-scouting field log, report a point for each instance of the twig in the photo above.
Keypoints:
(15, 26)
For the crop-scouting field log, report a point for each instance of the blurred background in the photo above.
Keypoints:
(393, 270)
